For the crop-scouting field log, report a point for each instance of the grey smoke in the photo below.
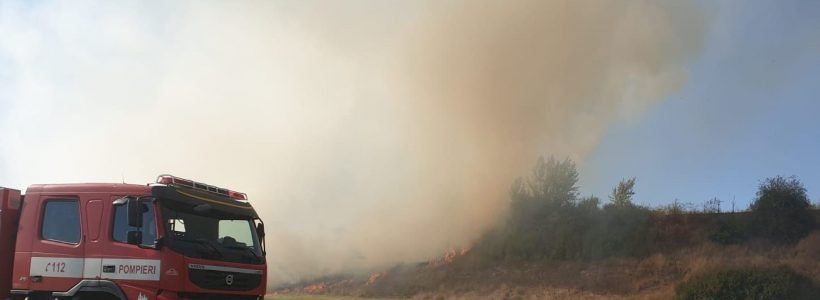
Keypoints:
(367, 133)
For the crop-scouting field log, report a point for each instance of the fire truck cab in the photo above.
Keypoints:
(173, 239)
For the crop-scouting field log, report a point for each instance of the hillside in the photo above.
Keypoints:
(556, 244)
(679, 249)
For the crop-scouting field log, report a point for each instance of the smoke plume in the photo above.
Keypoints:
(366, 133)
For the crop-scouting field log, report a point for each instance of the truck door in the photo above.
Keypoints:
(94, 243)
(57, 258)
(9, 213)
(135, 268)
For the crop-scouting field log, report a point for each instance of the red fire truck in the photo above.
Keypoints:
(173, 239)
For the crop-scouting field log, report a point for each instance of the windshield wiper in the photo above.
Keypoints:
(204, 243)
(246, 249)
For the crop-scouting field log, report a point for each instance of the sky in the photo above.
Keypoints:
(748, 112)
(357, 124)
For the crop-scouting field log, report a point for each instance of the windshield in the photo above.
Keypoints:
(211, 234)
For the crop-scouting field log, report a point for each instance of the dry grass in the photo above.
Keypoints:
(653, 277)
(315, 297)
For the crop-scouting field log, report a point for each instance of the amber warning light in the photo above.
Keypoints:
(177, 181)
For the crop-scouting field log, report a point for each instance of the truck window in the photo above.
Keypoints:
(120, 227)
(177, 226)
(61, 221)
(238, 230)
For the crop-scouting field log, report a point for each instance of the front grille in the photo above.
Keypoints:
(216, 280)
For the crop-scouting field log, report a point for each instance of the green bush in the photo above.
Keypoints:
(550, 222)
(617, 231)
(749, 283)
(781, 211)
(727, 231)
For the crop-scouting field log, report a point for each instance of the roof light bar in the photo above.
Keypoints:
(177, 181)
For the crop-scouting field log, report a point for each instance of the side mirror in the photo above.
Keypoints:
(135, 237)
(135, 211)
(260, 230)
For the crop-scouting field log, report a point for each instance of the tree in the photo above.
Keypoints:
(554, 181)
(622, 194)
(541, 217)
(781, 210)
(548, 220)
(589, 203)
